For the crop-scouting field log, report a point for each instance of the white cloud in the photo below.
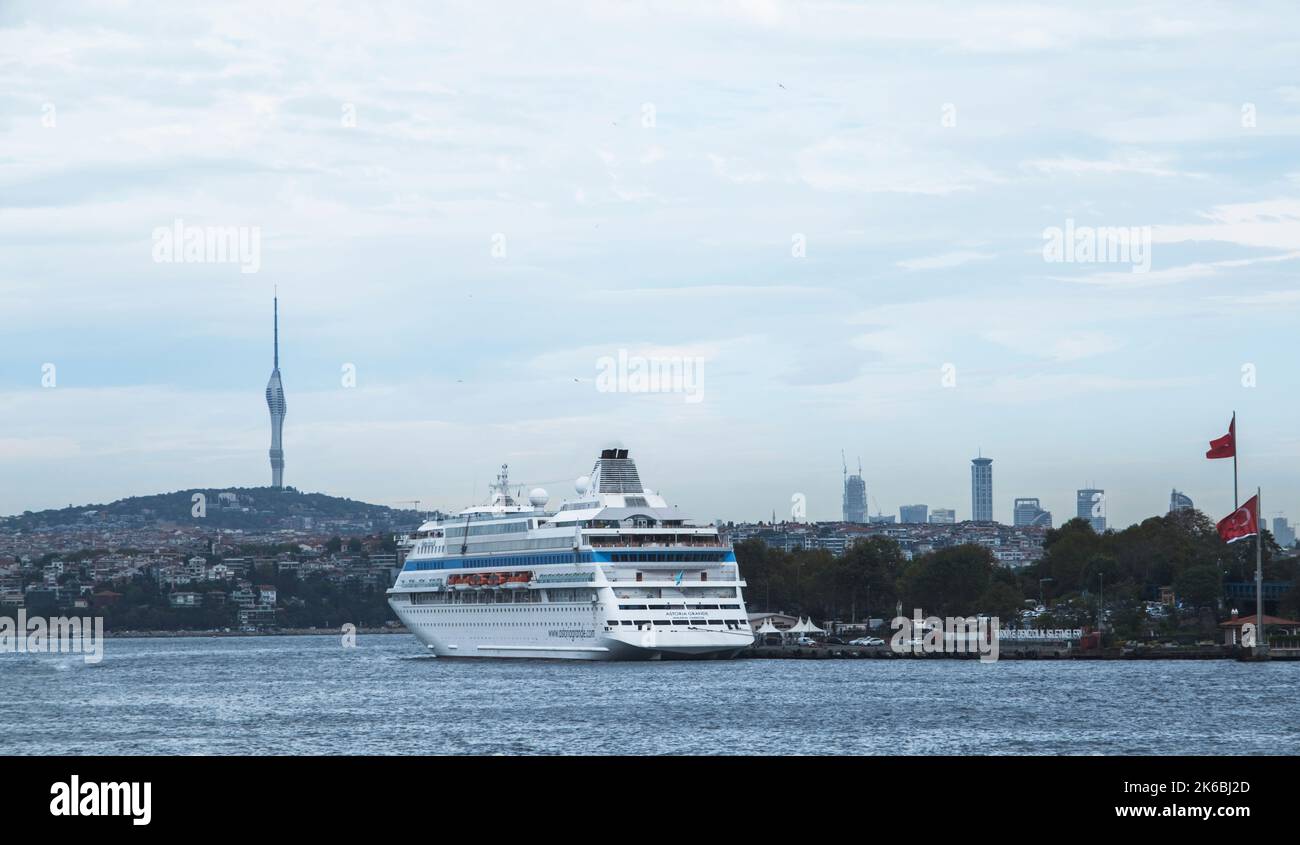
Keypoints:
(1056, 345)
(1273, 223)
(1267, 299)
(872, 161)
(944, 260)
(1048, 388)
(1172, 275)
(38, 448)
(728, 169)
(1139, 164)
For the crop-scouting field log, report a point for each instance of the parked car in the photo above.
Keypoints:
(833, 641)
(805, 641)
(868, 641)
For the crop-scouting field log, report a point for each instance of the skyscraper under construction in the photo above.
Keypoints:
(855, 495)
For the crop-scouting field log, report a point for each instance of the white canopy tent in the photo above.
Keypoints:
(803, 626)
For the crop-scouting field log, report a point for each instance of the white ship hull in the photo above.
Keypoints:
(615, 575)
(558, 633)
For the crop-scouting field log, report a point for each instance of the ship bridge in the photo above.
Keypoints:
(613, 496)
(614, 509)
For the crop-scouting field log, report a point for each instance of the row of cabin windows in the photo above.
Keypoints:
(541, 609)
(504, 599)
(704, 576)
(509, 560)
(666, 557)
(489, 528)
(684, 556)
(732, 624)
(678, 607)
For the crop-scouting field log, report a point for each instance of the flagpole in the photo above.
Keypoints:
(1259, 569)
(1235, 503)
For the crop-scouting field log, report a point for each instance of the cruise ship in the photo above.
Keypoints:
(614, 573)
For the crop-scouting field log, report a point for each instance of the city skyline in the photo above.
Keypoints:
(1090, 504)
(855, 503)
(425, 209)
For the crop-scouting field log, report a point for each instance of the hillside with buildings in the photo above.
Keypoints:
(250, 558)
(240, 508)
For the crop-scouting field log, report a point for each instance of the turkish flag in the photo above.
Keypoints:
(1241, 523)
(1225, 446)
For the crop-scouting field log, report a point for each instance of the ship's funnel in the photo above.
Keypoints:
(615, 472)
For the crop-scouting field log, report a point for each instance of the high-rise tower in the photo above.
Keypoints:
(275, 402)
(981, 489)
(1092, 507)
(1029, 513)
(1180, 501)
(855, 494)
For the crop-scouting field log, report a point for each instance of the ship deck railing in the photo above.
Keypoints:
(597, 543)
(727, 579)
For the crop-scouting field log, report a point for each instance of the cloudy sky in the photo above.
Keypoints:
(838, 209)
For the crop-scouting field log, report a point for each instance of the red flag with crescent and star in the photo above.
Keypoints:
(1225, 446)
(1241, 523)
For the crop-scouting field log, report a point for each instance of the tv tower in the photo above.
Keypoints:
(275, 402)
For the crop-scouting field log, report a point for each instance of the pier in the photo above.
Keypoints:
(850, 652)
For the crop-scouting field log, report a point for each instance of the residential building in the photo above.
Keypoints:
(913, 514)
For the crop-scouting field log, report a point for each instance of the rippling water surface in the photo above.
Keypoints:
(308, 695)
